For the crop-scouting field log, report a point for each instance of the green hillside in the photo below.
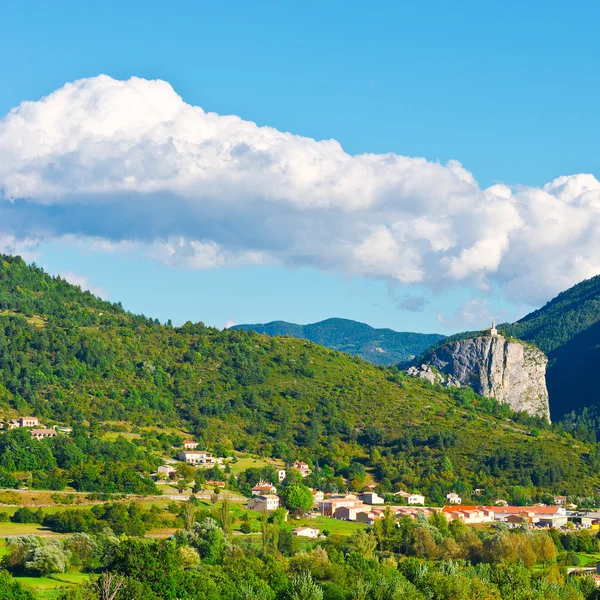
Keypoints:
(68, 357)
(378, 346)
(567, 329)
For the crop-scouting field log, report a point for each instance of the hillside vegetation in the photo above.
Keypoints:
(69, 357)
(379, 346)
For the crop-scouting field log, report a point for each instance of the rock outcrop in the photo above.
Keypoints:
(512, 372)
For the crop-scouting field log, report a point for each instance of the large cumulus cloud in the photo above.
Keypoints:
(129, 162)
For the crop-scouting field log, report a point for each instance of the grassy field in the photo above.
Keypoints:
(48, 588)
(247, 462)
(7, 529)
(588, 559)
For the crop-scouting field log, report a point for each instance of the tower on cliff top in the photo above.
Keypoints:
(493, 330)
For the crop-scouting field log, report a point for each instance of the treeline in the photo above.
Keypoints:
(83, 461)
(415, 559)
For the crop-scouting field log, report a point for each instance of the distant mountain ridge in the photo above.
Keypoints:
(378, 346)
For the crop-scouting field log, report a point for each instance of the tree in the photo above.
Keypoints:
(50, 558)
(297, 497)
(11, 589)
(189, 515)
(226, 518)
(302, 587)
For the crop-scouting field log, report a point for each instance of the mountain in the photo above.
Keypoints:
(567, 329)
(511, 371)
(378, 346)
(70, 358)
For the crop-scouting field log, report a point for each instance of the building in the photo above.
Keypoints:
(190, 444)
(214, 483)
(303, 467)
(318, 496)
(262, 488)
(544, 516)
(366, 516)
(412, 498)
(165, 471)
(348, 513)
(471, 515)
(265, 503)
(38, 434)
(280, 475)
(371, 498)
(196, 457)
(23, 422)
(309, 532)
(560, 500)
(500, 502)
(329, 505)
(453, 498)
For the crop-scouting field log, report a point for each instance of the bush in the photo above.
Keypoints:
(28, 515)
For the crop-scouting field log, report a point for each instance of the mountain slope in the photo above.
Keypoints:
(567, 329)
(378, 346)
(68, 357)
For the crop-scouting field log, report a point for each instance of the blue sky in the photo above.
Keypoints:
(508, 89)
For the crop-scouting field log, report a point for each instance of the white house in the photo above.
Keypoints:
(265, 503)
(453, 498)
(280, 475)
(196, 457)
(412, 498)
(190, 444)
(371, 498)
(309, 532)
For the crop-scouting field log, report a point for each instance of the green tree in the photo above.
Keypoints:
(297, 497)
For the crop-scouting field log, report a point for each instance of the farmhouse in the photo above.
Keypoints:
(190, 445)
(23, 422)
(38, 434)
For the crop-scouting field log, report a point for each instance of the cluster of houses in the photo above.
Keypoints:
(36, 429)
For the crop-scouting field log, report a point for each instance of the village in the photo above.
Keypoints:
(364, 507)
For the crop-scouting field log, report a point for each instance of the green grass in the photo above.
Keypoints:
(254, 462)
(49, 588)
(7, 529)
(588, 559)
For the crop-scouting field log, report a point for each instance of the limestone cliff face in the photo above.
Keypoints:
(512, 372)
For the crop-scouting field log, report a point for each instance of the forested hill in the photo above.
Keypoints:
(379, 346)
(567, 329)
(70, 358)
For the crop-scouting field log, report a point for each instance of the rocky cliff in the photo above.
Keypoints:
(513, 372)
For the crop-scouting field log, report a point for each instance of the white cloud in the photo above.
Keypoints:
(122, 164)
(229, 324)
(84, 283)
